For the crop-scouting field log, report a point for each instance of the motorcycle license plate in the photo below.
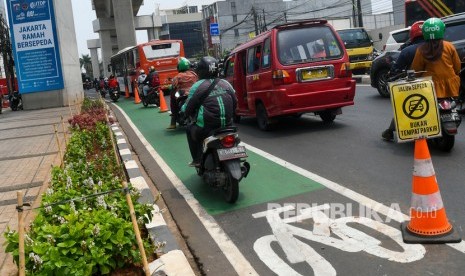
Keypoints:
(449, 117)
(231, 153)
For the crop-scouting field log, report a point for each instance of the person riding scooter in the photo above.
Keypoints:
(211, 105)
(402, 63)
(151, 81)
(182, 83)
(141, 79)
(113, 82)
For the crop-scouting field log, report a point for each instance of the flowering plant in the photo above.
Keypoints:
(83, 226)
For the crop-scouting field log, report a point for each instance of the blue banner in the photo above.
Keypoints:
(35, 45)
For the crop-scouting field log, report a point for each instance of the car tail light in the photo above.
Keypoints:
(228, 141)
(345, 70)
(384, 47)
(281, 76)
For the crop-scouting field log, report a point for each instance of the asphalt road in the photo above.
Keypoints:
(339, 169)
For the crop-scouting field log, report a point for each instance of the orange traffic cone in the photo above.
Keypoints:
(136, 95)
(126, 95)
(163, 107)
(428, 219)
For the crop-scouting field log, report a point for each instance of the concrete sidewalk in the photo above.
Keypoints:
(28, 149)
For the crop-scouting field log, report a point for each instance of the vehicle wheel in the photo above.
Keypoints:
(231, 190)
(262, 118)
(145, 103)
(237, 119)
(327, 116)
(381, 83)
(446, 142)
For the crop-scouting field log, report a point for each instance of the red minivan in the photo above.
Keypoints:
(291, 69)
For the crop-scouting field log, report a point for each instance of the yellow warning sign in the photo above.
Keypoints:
(415, 109)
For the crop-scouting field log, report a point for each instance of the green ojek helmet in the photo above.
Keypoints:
(433, 28)
(183, 64)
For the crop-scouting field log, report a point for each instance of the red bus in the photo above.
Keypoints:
(416, 10)
(162, 54)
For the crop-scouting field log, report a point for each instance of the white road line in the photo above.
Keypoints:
(229, 249)
(361, 199)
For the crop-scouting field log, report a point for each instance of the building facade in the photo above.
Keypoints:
(184, 24)
(240, 20)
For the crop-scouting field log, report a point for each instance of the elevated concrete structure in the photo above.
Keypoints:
(116, 24)
(93, 45)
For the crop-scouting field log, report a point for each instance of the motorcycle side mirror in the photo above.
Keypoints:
(410, 75)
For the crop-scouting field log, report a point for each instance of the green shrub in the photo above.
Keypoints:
(84, 226)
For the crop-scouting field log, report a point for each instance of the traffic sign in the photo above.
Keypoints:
(215, 39)
(214, 29)
(35, 45)
(415, 109)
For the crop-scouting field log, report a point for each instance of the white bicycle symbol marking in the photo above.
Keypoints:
(350, 240)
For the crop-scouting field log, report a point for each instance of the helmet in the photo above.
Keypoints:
(142, 72)
(183, 64)
(415, 30)
(207, 68)
(433, 28)
(151, 69)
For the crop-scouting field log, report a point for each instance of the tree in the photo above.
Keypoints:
(86, 62)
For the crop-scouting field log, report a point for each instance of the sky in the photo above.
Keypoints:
(84, 15)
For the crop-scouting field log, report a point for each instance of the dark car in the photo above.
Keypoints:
(454, 33)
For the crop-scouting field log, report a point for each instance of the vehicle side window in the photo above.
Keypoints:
(229, 68)
(266, 59)
(401, 37)
(253, 59)
(454, 32)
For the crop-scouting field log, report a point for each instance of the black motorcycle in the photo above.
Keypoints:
(181, 98)
(450, 121)
(153, 97)
(16, 101)
(103, 92)
(114, 94)
(223, 162)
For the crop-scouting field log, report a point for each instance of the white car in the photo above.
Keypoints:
(396, 39)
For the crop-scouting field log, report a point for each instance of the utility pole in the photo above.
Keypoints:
(264, 21)
(254, 13)
(360, 15)
(354, 17)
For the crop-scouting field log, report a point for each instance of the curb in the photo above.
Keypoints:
(172, 261)
(363, 79)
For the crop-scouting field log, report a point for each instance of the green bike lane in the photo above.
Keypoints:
(266, 182)
(272, 181)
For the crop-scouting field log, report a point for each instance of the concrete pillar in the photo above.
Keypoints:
(95, 65)
(105, 42)
(73, 90)
(93, 45)
(152, 33)
(124, 23)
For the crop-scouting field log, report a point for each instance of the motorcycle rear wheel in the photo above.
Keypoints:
(445, 143)
(231, 190)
